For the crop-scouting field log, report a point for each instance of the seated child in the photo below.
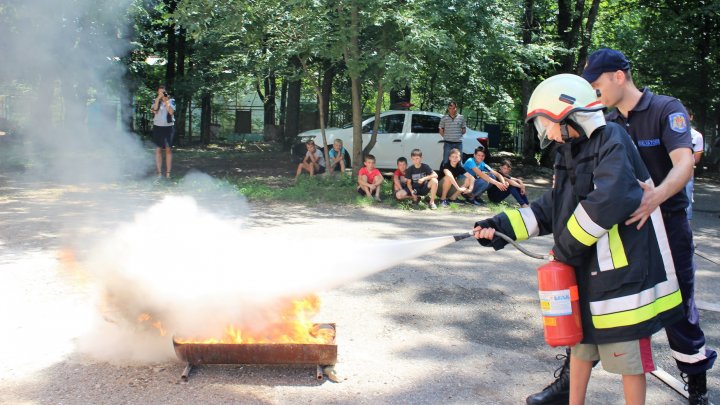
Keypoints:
(484, 175)
(337, 157)
(421, 179)
(313, 162)
(400, 189)
(516, 187)
(452, 173)
(370, 179)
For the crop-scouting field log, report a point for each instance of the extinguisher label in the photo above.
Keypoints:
(555, 303)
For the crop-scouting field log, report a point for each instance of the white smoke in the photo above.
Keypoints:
(196, 273)
(61, 63)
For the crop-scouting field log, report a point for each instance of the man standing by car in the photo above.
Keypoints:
(452, 129)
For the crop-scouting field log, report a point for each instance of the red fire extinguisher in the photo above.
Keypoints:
(559, 300)
(559, 304)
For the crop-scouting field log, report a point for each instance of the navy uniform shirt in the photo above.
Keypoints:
(658, 125)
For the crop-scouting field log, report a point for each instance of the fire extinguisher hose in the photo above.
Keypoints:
(510, 241)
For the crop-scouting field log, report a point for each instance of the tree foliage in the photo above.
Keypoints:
(487, 55)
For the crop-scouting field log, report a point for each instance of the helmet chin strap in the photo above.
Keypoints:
(564, 131)
(566, 134)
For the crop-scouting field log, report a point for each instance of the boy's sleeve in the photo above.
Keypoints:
(616, 195)
(522, 223)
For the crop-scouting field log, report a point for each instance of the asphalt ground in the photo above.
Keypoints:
(459, 325)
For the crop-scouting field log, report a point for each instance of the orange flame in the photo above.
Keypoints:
(293, 325)
(157, 324)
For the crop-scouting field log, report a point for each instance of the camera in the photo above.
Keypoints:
(165, 94)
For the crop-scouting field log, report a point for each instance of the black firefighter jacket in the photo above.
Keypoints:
(626, 277)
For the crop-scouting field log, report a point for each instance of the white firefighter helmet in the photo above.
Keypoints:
(558, 97)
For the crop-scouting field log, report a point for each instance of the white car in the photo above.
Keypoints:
(399, 133)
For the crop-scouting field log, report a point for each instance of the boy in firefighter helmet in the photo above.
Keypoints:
(626, 278)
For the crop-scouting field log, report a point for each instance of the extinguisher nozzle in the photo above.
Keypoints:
(462, 236)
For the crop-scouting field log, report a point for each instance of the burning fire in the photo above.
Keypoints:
(157, 324)
(292, 323)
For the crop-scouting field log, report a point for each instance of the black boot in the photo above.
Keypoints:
(558, 392)
(697, 388)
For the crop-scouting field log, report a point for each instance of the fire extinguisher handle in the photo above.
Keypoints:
(521, 248)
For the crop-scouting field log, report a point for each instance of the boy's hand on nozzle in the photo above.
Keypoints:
(484, 232)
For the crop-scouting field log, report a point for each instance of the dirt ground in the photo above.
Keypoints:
(459, 325)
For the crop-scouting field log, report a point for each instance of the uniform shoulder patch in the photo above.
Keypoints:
(678, 122)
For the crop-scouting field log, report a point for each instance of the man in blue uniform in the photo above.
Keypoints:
(660, 128)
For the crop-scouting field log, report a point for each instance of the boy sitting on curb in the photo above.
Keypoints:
(421, 179)
(314, 161)
(400, 189)
(516, 187)
(370, 179)
(337, 157)
(451, 173)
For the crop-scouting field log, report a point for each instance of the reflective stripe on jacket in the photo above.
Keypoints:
(626, 277)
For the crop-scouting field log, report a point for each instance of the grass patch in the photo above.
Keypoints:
(316, 189)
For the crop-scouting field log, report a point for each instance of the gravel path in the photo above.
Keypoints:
(459, 325)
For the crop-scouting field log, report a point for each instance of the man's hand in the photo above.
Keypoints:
(650, 201)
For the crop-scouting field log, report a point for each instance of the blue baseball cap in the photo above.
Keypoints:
(604, 60)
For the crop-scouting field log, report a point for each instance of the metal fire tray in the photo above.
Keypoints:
(323, 356)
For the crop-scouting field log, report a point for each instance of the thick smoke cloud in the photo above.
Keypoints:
(62, 63)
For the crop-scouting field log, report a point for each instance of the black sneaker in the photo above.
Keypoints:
(696, 386)
(558, 392)
(477, 202)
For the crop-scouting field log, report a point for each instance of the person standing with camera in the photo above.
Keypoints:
(163, 129)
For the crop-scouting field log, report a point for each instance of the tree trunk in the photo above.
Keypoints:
(569, 23)
(352, 56)
(181, 95)
(327, 83)
(292, 119)
(205, 118)
(320, 105)
(269, 106)
(528, 144)
(283, 100)
(170, 66)
(357, 125)
(268, 98)
(587, 36)
(378, 107)
(126, 111)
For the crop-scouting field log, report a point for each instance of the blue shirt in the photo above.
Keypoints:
(658, 125)
(470, 164)
(332, 153)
